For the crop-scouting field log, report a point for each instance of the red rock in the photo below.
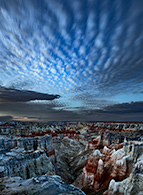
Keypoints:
(104, 166)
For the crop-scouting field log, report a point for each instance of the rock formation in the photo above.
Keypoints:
(43, 185)
(117, 168)
(29, 157)
(134, 183)
(98, 158)
(26, 157)
(28, 164)
(27, 143)
(105, 139)
(71, 157)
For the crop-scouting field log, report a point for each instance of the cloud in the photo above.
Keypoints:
(15, 95)
(6, 118)
(133, 107)
(119, 112)
(46, 112)
(57, 46)
(41, 111)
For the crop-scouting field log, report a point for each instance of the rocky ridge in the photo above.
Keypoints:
(26, 157)
(43, 185)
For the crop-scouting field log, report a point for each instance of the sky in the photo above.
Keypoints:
(71, 60)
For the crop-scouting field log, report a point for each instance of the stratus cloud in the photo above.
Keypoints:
(6, 118)
(117, 112)
(15, 95)
(38, 110)
(133, 107)
(45, 112)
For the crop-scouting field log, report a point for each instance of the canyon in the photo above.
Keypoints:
(84, 159)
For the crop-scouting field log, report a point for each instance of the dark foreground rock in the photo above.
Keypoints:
(43, 185)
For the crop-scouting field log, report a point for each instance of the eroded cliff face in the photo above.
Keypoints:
(28, 143)
(71, 157)
(104, 165)
(26, 157)
(117, 166)
(134, 183)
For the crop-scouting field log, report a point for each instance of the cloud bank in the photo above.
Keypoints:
(47, 112)
(15, 95)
